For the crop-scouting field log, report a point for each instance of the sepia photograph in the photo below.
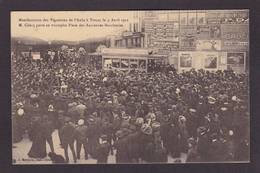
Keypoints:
(130, 87)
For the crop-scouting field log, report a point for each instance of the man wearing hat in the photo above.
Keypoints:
(68, 136)
(203, 143)
(103, 149)
(60, 124)
(121, 147)
(93, 135)
(146, 143)
(81, 138)
(160, 154)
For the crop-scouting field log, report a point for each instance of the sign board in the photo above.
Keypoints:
(211, 60)
(185, 59)
(36, 55)
(234, 45)
(188, 30)
(208, 45)
(188, 43)
(235, 32)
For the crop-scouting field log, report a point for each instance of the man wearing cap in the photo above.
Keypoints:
(81, 138)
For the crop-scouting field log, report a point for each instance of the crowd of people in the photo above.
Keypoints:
(139, 117)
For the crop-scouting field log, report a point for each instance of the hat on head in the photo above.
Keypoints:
(201, 130)
(192, 141)
(50, 108)
(91, 120)
(156, 126)
(230, 132)
(211, 100)
(182, 118)
(146, 129)
(104, 137)
(67, 119)
(192, 110)
(139, 120)
(20, 112)
(223, 109)
(119, 134)
(60, 112)
(80, 122)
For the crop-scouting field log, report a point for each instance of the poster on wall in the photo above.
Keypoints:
(211, 61)
(215, 31)
(201, 18)
(208, 44)
(192, 19)
(188, 30)
(236, 58)
(185, 60)
(235, 32)
(203, 32)
(222, 58)
(183, 18)
(188, 43)
(173, 59)
(234, 45)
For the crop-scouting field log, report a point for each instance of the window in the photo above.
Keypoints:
(142, 64)
(124, 63)
(116, 63)
(107, 63)
(133, 63)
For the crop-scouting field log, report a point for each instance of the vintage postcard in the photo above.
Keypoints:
(135, 87)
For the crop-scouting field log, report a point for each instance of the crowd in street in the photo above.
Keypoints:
(139, 117)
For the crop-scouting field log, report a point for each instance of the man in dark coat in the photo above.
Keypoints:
(121, 147)
(81, 138)
(48, 129)
(68, 135)
(103, 150)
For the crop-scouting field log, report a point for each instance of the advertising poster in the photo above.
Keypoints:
(223, 58)
(214, 17)
(211, 60)
(215, 31)
(201, 18)
(188, 43)
(192, 19)
(173, 59)
(188, 30)
(185, 59)
(183, 18)
(208, 45)
(203, 31)
(235, 32)
(236, 59)
(234, 45)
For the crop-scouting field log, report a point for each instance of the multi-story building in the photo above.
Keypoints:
(201, 39)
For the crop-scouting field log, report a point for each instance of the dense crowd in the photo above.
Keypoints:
(140, 117)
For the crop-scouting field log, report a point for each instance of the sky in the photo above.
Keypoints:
(68, 33)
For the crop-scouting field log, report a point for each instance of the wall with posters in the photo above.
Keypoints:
(207, 60)
(236, 61)
(194, 32)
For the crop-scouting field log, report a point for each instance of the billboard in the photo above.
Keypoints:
(236, 58)
(211, 61)
(185, 59)
(188, 43)
(238, 32)
(208, 45)
(234, 45)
